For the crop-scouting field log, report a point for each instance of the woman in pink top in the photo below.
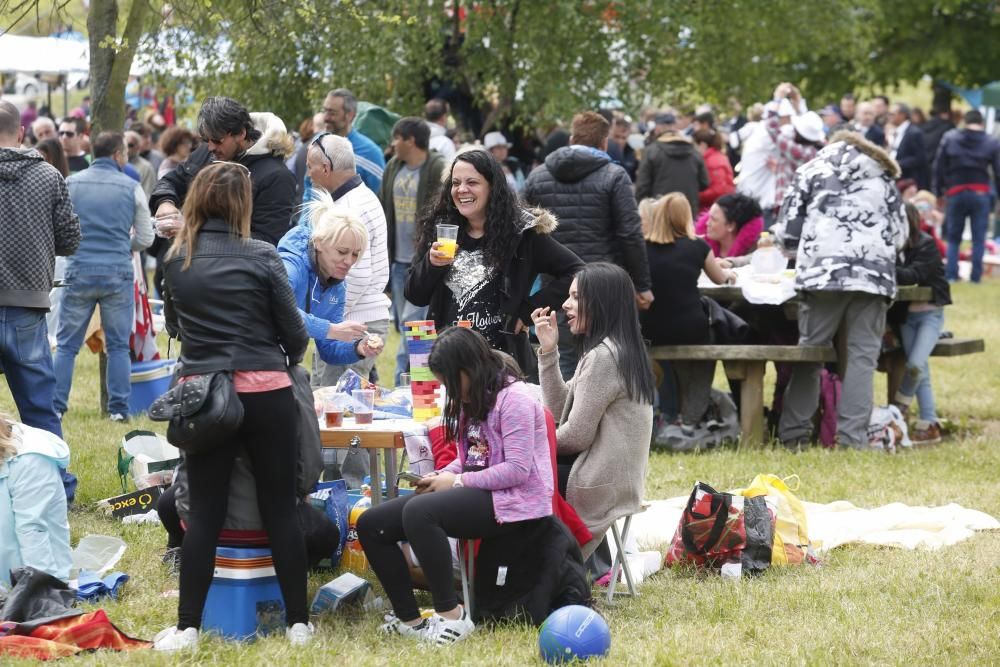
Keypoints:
(731, 227)
(502, 476)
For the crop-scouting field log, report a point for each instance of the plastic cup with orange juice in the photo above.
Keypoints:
(447, 238)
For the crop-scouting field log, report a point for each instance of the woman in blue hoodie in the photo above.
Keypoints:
(34, 530)
(318, 258)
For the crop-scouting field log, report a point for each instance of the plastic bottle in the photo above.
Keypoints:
(767, 259)
(354, 556)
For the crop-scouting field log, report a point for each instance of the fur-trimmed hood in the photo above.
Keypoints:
(538, 219)
(274, 137)
(845, 140)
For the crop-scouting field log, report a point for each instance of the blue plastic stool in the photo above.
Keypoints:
(244, 601)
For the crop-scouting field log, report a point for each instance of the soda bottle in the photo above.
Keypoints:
(354, 556)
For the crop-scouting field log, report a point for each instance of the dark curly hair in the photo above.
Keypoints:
(220, 116)
(503, 213)
(739, 208)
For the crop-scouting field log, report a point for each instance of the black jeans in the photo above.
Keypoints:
(426, 522)
(269, 435)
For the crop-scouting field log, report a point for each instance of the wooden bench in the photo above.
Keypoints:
(746, 363)
(895, 361)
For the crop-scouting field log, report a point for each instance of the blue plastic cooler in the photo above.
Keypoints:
(150, 379)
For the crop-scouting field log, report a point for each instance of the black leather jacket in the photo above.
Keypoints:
(233, 308)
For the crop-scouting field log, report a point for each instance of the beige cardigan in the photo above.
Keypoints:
(609, 433)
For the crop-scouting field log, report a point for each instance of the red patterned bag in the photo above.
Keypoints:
(719, 528)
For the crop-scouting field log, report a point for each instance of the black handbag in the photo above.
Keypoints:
(200, 412)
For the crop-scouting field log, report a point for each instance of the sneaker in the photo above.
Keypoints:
(687, 430)
(444, 631)
(173, 639)
(925, 433)
(172, 559)
(118, 417)
(394, 626)
(300, 634)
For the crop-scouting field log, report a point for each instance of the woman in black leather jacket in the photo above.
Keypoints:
(228, 299)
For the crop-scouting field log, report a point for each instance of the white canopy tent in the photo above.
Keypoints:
(43, 55)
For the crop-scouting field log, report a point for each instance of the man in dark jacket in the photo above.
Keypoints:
(962, 174)
(598, 218)
(412, 178)
(257, 141)
(908, 147)
(671, 164)
(934, 129)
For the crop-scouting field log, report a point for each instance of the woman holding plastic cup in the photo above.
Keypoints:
(318, 258)
(486, 274)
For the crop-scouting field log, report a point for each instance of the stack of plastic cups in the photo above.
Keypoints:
(420, 337)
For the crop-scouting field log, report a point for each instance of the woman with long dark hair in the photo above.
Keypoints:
(501, 478)
(54, 154)
(605, 411)
(502, 249)
(227, 297)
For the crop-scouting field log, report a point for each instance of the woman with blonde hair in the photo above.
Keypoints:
(34, 530)
(318, 258)
(676, 260)
(226, 296)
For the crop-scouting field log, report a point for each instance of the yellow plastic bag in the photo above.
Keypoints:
(791, 532)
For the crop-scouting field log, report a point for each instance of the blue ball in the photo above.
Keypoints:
(573, 633)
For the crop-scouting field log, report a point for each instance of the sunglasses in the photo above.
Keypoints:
(318, 141)
(66, 133)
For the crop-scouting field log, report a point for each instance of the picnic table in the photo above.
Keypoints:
(746, 363)
(383, 435)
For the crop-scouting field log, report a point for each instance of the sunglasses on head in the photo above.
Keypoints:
(243, 167)
(318, 141)
(66, 133)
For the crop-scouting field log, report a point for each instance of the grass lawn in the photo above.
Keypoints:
(864, 605)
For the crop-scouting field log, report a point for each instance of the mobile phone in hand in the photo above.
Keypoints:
(410, 477)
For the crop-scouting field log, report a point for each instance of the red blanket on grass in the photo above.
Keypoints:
(65, 637)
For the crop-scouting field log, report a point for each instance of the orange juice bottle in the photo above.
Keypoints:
(354, 556)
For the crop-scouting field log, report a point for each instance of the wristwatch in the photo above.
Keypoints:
(457, 484)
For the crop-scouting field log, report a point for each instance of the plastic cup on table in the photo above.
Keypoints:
(447, 238)
(334, 413)
(364, 405)
(404, 380)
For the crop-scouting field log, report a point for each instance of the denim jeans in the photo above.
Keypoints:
(920, 332)
(402, 311)
(26, 359)
(976, 207)
(113, 291)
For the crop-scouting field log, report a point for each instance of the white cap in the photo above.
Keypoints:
(494, 139)
(809, 125)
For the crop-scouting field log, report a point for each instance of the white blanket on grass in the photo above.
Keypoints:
(840, 522)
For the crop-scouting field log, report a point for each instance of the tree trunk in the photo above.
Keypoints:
(111, 59)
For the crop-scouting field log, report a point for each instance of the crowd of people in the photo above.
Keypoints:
(565, 272)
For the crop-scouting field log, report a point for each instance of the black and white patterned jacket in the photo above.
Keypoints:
(36, 224)
(844, 219)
